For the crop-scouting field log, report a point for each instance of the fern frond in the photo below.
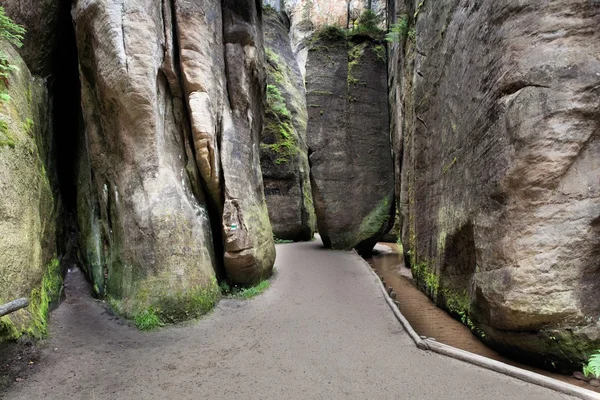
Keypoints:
(10, 30)
(594, 364)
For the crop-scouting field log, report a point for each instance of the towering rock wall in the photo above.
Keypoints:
(170, 184)
(496, 117)
(28, 264)
(284, 153)
(348, 138)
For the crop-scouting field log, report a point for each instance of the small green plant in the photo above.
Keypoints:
(593, 366)
(329, 33)
(278, 127)
(13, 33)
(368, 24)
(281, 241)
(147, 320)
(399, 30)
(244, 293)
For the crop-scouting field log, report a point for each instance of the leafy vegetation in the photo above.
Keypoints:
(278, 126)
(592, 368)
(368, 24)
(13, 33)
(6, 139)
(147, 320)
(41, 298)
(329, 33)
(244, 293)
(281, 241)
(401, 30)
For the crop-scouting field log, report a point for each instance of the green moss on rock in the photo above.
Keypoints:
(41, 298)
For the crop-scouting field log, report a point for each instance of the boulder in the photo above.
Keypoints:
(348, 138)
(284, 153)
(170, 185)
(500, 144)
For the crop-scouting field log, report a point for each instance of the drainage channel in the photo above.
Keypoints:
(430, 321)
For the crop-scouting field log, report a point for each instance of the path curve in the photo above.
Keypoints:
(322, 331)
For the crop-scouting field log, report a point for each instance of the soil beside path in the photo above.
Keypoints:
(323, 330)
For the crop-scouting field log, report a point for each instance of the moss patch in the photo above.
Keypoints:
(374, 223)
(244, 293)
(147, 320)
(281, 143)
(41, 298)
(172, 308)
(6, 139)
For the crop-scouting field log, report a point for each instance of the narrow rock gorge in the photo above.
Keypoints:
(163, 147)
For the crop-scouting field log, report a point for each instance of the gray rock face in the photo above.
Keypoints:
(348, 138)
(284, 153)
(172, 100)
(28, 267)
(500, 144)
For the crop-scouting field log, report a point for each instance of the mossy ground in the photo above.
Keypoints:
(244, 293)
(173, 308)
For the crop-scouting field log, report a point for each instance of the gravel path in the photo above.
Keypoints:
(322, 331)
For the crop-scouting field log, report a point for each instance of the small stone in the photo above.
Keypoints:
(579, 375)
(393, 295)
(19, 379)
(595, 382)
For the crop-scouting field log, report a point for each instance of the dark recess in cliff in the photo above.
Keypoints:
(65, 96)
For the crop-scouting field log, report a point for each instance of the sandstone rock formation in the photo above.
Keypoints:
(284, 153)
(348, 138)
(499, 137)
(28, 267)
(172, 99)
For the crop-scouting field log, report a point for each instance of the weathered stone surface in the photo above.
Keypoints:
(27, 212)
(172, 101)
(348, 138)
(249, 249)
(284, 153)
(40, 18)
(147, 233)
(501, 156)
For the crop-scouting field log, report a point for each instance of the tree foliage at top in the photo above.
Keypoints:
(13, 33)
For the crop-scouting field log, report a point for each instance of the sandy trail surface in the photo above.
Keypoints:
(322, 331)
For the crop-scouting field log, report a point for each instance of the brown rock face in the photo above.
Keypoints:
(500, 145)
(284, 153)
(172, 100)
(348, 138)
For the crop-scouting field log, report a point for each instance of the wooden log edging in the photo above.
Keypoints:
(13, 306)
(481, 361)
